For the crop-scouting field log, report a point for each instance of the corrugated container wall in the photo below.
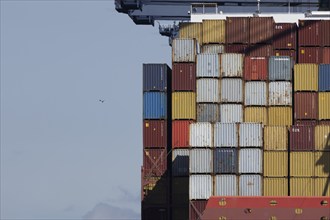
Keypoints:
(309, 33)
(325, 25)
(280, 68)
(180, 162)
(324, 103)
(310, 55)
(250, 185)
(155, 77)
(275, 138)
(214, 31)
(183, 105)
(231, 113)
(208, 112)
(200, 187)
(255, 68)
(326, 55)
(201, 160)
(237, 30)
(226, 185)
(184, 50)
(155, 161)
(225, 135)
(250, 135)
(256, 115)
(184, 77)
(255, 93)
(213, 48)
(225, 160)
(260, 50)
(191, 30)
(276, 163)
(208, 90)
(322, 164)
(236, 48)
(250, 160)
(322, 137)
(231, 91)
(320, 184)
(275, 186)
(208, 65)
(154, 105)
(180, 133)
(302, 138)
(196, 208)
(301, 186)
(279, 116)
(232, 65)
(261, 30)
(280, 93)
(302, 164)
(305, 77)
(155, 134)
(200, 134)
(324, 77)
(306, 105)
(285, 36)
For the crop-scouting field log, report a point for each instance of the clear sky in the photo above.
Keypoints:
(64, 154)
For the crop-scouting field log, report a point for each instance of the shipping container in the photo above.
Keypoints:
(280, 93)
(322, 164)
(208, 65)
(256, 115)
(310, 55)
(302, 186)
(302, 164)
(261, 30)
(250, 160)
(306, 122)
(250, 135)
(154, 190)
(184, 50)
(184, 77)
(302, 138)
(275, 186)
(156, 77)
(305, 105)
(225, 160)
(290, 53)
(191, 30)
(214, 31)
(279, 116)
(237, 30)
(306, 77)
(154, 134)
(180, 133)
(225, 135)
(237, 48)
(200, 134)
(250, 185)
(322, 137)
(324, 77)
(321, 186)
(255, 94)
(260, 50)
(196, 209)
(232, 65)
(275, 138)
(255, 68)
(213, 48)
(154, 105)
(276, 163)
(231, 90)
(285, 36)
(324, 103)
(183, 105)
(180, 162)
(280, 68)
(230, 113)
(325, 32)
(208, 112)
(154, 162)
(208, 90)
(201, 160)
(309, 33)
(326, 55)
(200, 186)
(225, 185)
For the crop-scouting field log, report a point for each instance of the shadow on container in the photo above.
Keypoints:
(325, 161)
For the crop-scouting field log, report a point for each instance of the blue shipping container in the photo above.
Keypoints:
(225, 160)
(280, 68)
(156, 77)
(154, 105)
(324, 77)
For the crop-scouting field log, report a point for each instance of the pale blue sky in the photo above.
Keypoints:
(64, 155)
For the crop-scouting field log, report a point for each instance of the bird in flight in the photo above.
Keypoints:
(101, 100)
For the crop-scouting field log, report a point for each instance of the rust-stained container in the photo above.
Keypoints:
(302, 186)
(154, 162)
(261, 30)
(324, 103)
(302, 164)
(305, 105)
(191, 30)
(237, 30)
(183, 105)
(279, 116)
(275, 138)
(208, 65)
(236, 48)
(285, 36)
(214, 31)
(196, 209)
(309, 33)
(180, 191)
(154, 134)
(180, 162)
(322, 164)
(231, 65)
(275, 186)
(302, 138)
(306, 77)
(326, 55)
(310, 55)
(321, 186)
(256, 114)
(255, 68)
(180, 133)
(201, 134)
(260, 50)
(290, 53)
(184, 50)
(276, 163)
(255, 93)
(184, 77)
(322, 137)
(208, 112)
(325, 25)
(213, 48)
(280, 93)
(154, 190)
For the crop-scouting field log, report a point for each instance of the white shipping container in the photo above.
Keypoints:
(231, 90)
(208, 65)
(208, 90)
(250, 135)
(213, 48)
(226, 185)
(200, 186)
(200, 134)
(232, 65)
(180, 162)
(184, 50)
(225, 135)
(250, 160)
(280, 93)
(230, 113)
(255, 93)
(250, 185)
(201, 160)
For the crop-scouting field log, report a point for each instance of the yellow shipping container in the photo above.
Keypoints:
(302, 164)
(322, 137)
(301, 186)
(324, 105)
(279, 116)
(276, 186)
(322, 164)
(275, 138)
(214, 31)
(255, 114)
(184, 105)
(275, 163)
(322, 186)
(191, 30)
(306, 77)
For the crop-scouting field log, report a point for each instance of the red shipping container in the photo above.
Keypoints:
(302, 138)
(310, 55)
(155, 134)
(180, 133)
(196, 209)
(236, 48)
(184, 77)
(285, 36)
(306, 122)
(306, 105)
(237, 30)
(154, 162)
(291, 53)
(326, 55)
(309, 33)
(255, 68)
(260, 50)
(261, 30)
(325, 33)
